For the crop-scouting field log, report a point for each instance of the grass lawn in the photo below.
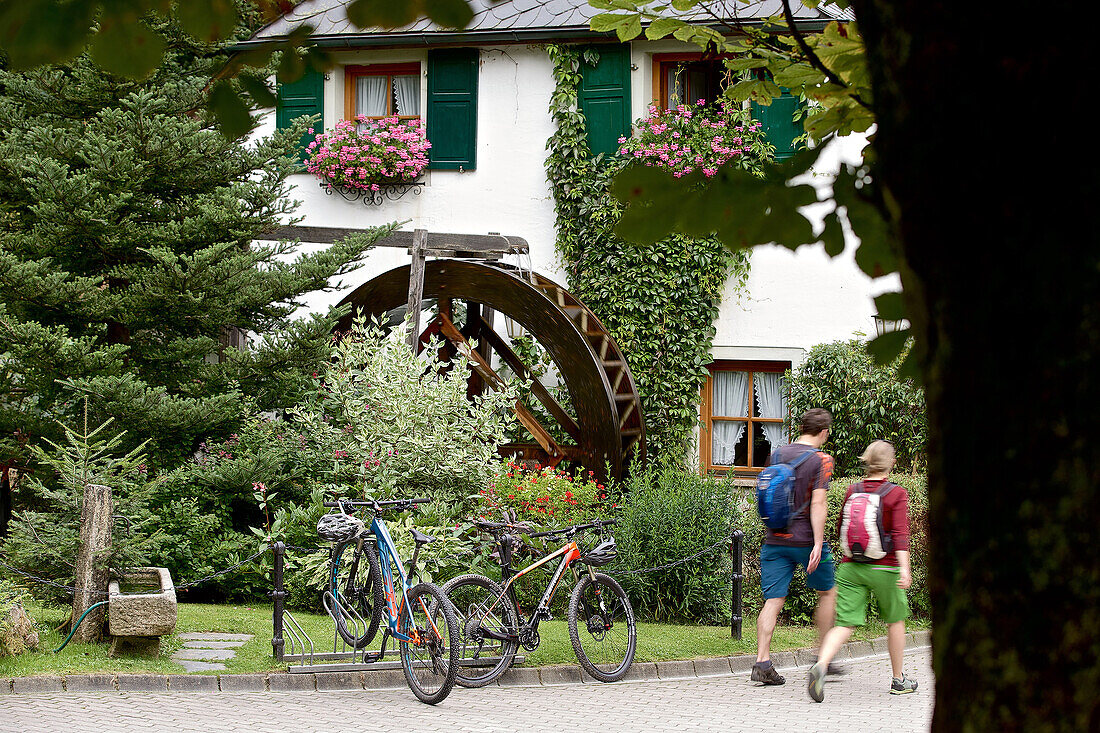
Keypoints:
(656, 642)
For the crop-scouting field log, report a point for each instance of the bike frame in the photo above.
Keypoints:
(568, 554)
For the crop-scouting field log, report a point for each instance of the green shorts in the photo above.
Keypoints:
(855, 582)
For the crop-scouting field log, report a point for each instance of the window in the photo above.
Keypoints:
(686, 78)
(744, 406)
(382, 90)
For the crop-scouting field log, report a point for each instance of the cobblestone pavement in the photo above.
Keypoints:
(856, 701)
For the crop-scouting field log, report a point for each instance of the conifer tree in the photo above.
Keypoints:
(130, 246)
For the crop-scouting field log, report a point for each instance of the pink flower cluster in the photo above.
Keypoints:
(702, 136)
(367, 152)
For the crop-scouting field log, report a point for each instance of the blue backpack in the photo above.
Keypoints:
(775, 492)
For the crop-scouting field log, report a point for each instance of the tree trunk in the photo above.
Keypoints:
(91, 576)
(1003, 284)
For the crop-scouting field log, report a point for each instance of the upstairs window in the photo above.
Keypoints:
(744, 406)
(382, 90)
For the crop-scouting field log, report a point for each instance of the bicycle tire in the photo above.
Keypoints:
(430, 667)
(613, 653)
(470, 594)
(362, 592)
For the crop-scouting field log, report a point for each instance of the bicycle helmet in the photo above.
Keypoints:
(602, 553)
(338, 527)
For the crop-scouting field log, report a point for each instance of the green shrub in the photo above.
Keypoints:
(802, 600)
(670, 514)
(868, 402)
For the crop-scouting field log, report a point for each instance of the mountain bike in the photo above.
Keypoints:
(492, 627)
(361, 587)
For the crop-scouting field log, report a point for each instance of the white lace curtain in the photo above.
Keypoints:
(771, 397)
(729, 397)
(406, 90)
(371, 95)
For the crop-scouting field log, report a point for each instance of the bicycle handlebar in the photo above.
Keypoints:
(576, 528)
(377, 505)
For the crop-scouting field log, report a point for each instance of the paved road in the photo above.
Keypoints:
(856, 701)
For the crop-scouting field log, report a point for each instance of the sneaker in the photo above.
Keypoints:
(768, 676)
(834, 668)
(903, 686)
(816, 684)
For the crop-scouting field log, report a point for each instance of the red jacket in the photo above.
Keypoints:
(895, 518)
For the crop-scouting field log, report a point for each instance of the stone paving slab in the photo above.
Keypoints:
(204, 654)
(191, 665)
(214, 636)
(205, 644)
(857, 701)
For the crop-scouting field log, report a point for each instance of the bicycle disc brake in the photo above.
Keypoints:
(596, 626)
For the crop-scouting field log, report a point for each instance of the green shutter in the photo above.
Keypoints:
(779, 124)
(452, 108)
(604, 98)
(302, 98)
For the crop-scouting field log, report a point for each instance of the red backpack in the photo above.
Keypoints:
(862, 537)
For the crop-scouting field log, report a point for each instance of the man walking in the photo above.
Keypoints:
(802, 542)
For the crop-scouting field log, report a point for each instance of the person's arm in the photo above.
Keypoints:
(905, 579)
(899, 533)
(819, 507)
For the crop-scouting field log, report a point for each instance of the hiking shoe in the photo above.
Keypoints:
(816, 684)
(768, 676)
(903, 686)
(834, 668)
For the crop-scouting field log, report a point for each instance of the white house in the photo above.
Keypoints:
(483, 94)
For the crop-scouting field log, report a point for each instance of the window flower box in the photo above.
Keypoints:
(368, 158)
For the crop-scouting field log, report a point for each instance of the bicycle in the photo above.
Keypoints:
(422, 620)
(600, 618)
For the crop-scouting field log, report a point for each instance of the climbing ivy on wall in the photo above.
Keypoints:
(659, 301)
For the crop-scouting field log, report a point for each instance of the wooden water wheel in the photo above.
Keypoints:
(606, 429)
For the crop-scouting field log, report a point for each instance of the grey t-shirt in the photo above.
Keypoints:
(813, 472)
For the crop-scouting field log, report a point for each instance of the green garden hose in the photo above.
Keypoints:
(77, 624)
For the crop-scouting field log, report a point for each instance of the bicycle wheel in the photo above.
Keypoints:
(355, 579)
(430, 661)
(481, 659)
(601, 627)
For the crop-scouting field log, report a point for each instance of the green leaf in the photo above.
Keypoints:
(832, 237)
(230, 110)
(662, 27)
(128, 49)
(889, 346)
(382, 13)
(629, 30)
(36, 32)
(257, 89)
(208, 20)
(449, 13)
(891, 306)
(291, 67)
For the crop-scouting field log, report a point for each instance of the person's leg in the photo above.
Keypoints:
(765, 627)
(895, 643)
(823, 580)
(825, 614)
(831, 644)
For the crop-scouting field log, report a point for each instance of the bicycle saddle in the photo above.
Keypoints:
(420, 538)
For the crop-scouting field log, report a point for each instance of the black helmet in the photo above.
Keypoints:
(338, 527)
(602, 553)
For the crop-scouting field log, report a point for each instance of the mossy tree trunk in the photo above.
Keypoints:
(977, 147)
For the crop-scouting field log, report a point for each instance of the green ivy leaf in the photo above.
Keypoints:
(208, 20)
(128, 49)
(832, 237)
(291, 67)
(257, 89)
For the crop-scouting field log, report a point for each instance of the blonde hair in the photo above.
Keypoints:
(878, 458)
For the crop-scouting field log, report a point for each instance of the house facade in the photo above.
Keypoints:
(483, 96)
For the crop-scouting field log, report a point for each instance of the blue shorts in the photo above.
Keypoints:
(777, 565)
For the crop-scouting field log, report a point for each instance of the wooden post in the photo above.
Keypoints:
(416, 285)
(91, 579)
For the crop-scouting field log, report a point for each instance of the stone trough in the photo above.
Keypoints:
(141, 608)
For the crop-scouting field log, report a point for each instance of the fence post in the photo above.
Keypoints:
(737, 540)
(278, 595)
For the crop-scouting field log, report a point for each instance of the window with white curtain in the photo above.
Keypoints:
(744, 407)
(382, 90)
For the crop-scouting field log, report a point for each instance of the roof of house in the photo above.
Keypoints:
(505, 21)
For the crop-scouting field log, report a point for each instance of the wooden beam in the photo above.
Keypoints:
(416, 288)
(436, 241)
(512, 360)
(481, 366)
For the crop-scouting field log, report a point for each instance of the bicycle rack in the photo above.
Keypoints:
(302, 656)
